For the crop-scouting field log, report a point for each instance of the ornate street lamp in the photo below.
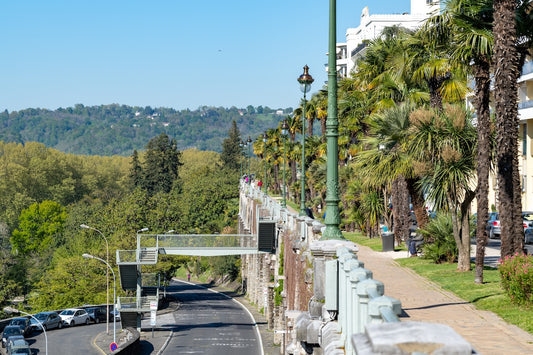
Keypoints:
(107, 271)
(305, 81)
(249, 143)
(265, 138)
(284, 132)
(332, 219)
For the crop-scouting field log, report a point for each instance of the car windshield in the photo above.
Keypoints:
(18, 321)
(12, 331)
(41, 316)
(67, 312)
(19, 342)
(21, 351)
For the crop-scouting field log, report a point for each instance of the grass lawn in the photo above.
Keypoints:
(489, 296)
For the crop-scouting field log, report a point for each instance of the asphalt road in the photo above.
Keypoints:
(210, 323)
(68, 340)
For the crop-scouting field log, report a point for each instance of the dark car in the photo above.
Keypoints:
(24, 323)
(97, 314)
(16, 345)
(49, 320)
(9, 331)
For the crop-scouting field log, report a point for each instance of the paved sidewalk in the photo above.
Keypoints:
(425, 301)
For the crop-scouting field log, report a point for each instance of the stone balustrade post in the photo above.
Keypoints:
(365, 290)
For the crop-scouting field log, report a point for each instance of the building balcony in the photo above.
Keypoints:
(525, 110)
(527, 68)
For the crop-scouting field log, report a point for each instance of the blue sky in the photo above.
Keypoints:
(167, 53)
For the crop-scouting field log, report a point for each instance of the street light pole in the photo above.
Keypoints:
(249, 142)
(265, 138)
(305, 81)
(332, 219)
(13, 310)
(241, 144)
(106, 274)
(284, 131)
(89, 256)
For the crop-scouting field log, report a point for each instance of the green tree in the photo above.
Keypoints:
(231, 155)
(443, 145)
(136, 172)
(40, 228)
(468, 24)
(161, 164)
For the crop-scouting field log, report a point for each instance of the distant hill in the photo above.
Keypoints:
(119, 129)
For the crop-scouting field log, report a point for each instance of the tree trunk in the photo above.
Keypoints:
(484, 149)
(400, 209)
(323, 127)
(505, 98)
(417, 199)
(463, 236)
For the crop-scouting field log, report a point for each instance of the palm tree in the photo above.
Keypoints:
(386, 160)
(443, 144)
(467, 25)
(506, 73)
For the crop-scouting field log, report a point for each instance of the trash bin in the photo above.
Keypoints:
(387, 240)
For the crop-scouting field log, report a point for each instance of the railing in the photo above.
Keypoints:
(150, 279)
(527, 68)
(135, 304)
(525, 104)
(361, 299)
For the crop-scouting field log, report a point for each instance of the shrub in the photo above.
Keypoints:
(516, 273)
(440, 245)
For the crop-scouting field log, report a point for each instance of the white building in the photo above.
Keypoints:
(371, 27)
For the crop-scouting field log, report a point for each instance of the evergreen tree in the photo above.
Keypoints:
(162, 161)
(136, 170)
(231, 151)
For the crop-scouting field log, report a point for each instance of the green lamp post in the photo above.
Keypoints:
(241, 145)
(305, 81)
(332, 219)
(284, 132)
(249, 143)
(265, 138)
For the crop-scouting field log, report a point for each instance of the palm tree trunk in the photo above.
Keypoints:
(505, 93)
(418, 201)
(463, 246)
(400, 209)
(482, 78)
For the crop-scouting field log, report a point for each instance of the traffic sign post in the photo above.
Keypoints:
(113, 347)
(153, 315)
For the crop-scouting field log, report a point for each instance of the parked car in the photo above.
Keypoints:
(18, 346)
(116, 314)
(527, 218)
(24, 323)
(528, 235)
(49, 320)
(493, 225)
(74, 316)
(97, 314)
(9, 331)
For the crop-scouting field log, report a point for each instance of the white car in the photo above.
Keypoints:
(74, 316)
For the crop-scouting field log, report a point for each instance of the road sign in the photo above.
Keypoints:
(153, 305)
(153, 318)
(113, 347)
